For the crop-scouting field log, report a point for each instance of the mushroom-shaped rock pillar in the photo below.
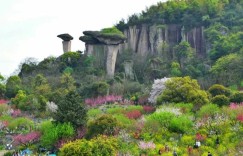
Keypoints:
(111, 44)
(66, 42)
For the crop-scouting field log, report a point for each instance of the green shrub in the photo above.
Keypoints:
(187, 140)
(220, 100)
(115, 110)
(218, 89)
(21, 122)
(3, 108)
(185, 107)
(111, 31)
(133, 107)
(183, 89)
(100, 146)
(181, 124)
(103, 145)
(163, 118)
(94, 113)
(208, 110)
(105, 124)
(54, 132)
(77, 148)
(236, 97)
(8, 154)
(123, 120)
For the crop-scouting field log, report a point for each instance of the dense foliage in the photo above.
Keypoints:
(58, 100)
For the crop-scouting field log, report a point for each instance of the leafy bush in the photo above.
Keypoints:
(21, 123)
(71, 110)
(220, 100)
(218, 89)
(163, 118)
(134, 114)
(236, 97)
(181, 124)
(77, 148)
(105, 124)
(8, 154)
(94, 113)
(99, 146)
(123, 120)
(111, 31)
(51, 133)
(184, 107)
(208, 110)
(183, 89)
(3, 109)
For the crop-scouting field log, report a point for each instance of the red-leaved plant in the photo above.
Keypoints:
(240, 118)
(148, 109)
(2, 101)
(26, 139)
(200, 137)
(134, 114)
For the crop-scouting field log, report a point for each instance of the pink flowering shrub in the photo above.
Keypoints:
(134, 114)
(2, 101)
(146, 146)
(102, 100)
(16, 113)
(235, 105)
(237, 110)
(26, 139)
(240, 118)
(200, 137)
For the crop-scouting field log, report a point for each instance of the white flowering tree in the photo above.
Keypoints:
(51, 107)
(157, 88)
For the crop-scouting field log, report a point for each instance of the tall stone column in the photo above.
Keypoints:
(112, 51)
(109, 42)
(66, 43)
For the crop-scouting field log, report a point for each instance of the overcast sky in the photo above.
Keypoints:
(28, 28)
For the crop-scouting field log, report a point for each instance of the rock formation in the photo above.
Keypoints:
(66, 42)
(141, 40)
(145, 39)
(105, 43)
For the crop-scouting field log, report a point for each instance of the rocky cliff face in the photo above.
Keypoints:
(140, 41)
(146, 39)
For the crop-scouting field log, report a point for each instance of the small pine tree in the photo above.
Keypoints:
(71, 110)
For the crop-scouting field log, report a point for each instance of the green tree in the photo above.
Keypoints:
(182, 52)
(2, 87)
(183, 89)
(67, 82)
(220, 100)
(105, 124)
(70, 109)
(218, 89)
(12, 86)
(228, 69)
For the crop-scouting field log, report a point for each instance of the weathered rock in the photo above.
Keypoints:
(95, 37)
(66, 43)
(89, 40)
(65, 37)
(112, 51)
(128, 67)
(66, 46)
(146, 39)
(110, 42)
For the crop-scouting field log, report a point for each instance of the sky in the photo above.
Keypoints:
(29, 28)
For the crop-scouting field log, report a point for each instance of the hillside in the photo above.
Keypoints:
(167, 81)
